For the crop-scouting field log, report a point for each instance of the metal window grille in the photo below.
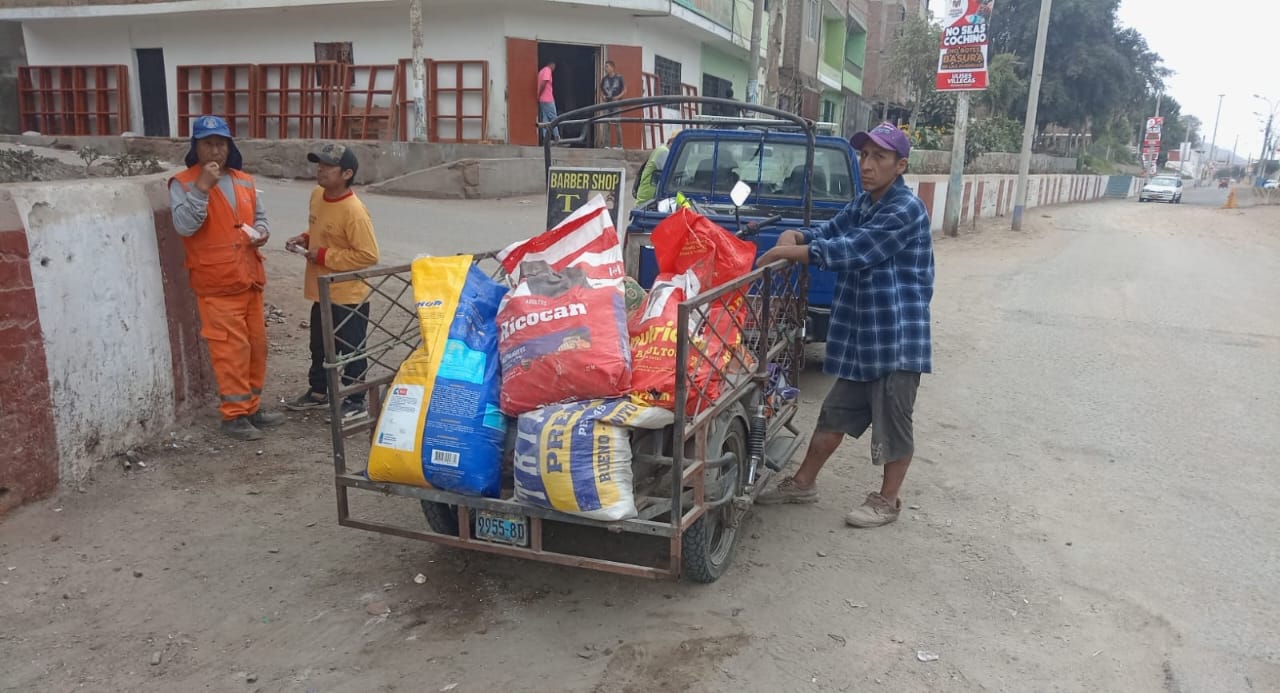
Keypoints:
(668, 72)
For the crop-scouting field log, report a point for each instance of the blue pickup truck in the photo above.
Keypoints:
(704, 164)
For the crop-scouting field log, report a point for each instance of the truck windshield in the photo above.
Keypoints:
(773, 169)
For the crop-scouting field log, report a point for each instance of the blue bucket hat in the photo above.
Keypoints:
(207, 126)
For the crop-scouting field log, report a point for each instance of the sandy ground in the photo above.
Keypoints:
(1091, 509)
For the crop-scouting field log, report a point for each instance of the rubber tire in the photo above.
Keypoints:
(441, 517)
(701, 562)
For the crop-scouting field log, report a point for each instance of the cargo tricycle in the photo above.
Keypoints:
(694, 480)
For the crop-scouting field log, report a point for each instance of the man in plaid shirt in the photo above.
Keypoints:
(879, 342)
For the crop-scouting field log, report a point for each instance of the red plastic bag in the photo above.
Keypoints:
(655, 336)
(686, 237)
(562, 339)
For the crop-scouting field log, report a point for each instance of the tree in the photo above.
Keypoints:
(1005, 89)
(913, 60)
(1093, 68)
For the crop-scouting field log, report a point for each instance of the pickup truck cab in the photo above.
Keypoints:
(704, 164)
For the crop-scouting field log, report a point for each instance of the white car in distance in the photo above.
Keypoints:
(1165, 188)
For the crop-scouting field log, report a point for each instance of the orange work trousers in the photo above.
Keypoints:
(235, 328)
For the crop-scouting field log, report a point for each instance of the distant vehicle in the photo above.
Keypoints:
(704, 165)
(1271, 184)
(1167, 188)
(1223, 182)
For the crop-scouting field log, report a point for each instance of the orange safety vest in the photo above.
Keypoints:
(220, 258)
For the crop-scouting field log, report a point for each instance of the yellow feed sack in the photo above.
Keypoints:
(440, 425)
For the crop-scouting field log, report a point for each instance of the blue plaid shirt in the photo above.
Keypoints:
(882, 254)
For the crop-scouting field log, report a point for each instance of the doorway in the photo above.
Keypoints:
(153, 91)
(575, 80)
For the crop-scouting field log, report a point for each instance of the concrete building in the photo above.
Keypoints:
(884, 22)
(827, 57)
(671, 46)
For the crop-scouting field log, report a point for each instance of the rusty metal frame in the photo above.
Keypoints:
(437, 95)
(74, 99)
(765, 309)
(312, 87)
(359, 115)
(653, 129)
(689, 109)
(241, 122)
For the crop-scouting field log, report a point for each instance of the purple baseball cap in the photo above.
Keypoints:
(886, 135)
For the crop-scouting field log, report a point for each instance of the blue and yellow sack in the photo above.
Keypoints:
(440, 426)
(576, 457)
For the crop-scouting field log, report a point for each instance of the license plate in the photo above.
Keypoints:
(502, 529)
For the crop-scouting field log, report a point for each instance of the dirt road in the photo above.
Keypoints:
(1092, 508)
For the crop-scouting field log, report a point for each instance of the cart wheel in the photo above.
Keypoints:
(707, 546)
(441, 517)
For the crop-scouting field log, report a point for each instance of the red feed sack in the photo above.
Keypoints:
(562, 346)
(655, 337)
(587, 239)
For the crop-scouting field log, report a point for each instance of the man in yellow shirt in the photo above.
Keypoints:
(339, 238)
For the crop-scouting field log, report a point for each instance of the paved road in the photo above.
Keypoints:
(1209, 196)
(1093, 507)
(1093, 473)
(408, 227)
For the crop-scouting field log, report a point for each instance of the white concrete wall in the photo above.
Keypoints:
(379, 34)
(102, 314)
(1058, 189)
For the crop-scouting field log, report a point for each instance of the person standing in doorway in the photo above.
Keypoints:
(547, 100)
(612, 88)
(217, 212)
(339, 238)
(880, 342)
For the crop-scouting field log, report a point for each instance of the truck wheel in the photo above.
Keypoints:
(441, 517)
(708, 545)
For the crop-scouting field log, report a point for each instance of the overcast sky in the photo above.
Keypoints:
(1218, 47)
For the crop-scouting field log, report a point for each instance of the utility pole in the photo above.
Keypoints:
(753, 71)
(1159, 98)
(1213, 145)
(955, 185)
(1267, 146)
(1029, 127)
(419, 74)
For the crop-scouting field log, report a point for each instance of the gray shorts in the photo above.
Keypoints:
(885, 405)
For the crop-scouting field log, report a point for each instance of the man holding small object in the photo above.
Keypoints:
(339, 238)
(217, 212)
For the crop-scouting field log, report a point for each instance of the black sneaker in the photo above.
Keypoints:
(241, 428)
(266, 419)
(352, 412)
(307, 400)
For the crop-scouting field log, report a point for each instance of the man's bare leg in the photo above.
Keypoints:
(882, 508)
(800, 488)
(894, 474)
(821, 446)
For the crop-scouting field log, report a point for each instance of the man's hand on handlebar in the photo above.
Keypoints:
(791, 237)
(792, 252)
